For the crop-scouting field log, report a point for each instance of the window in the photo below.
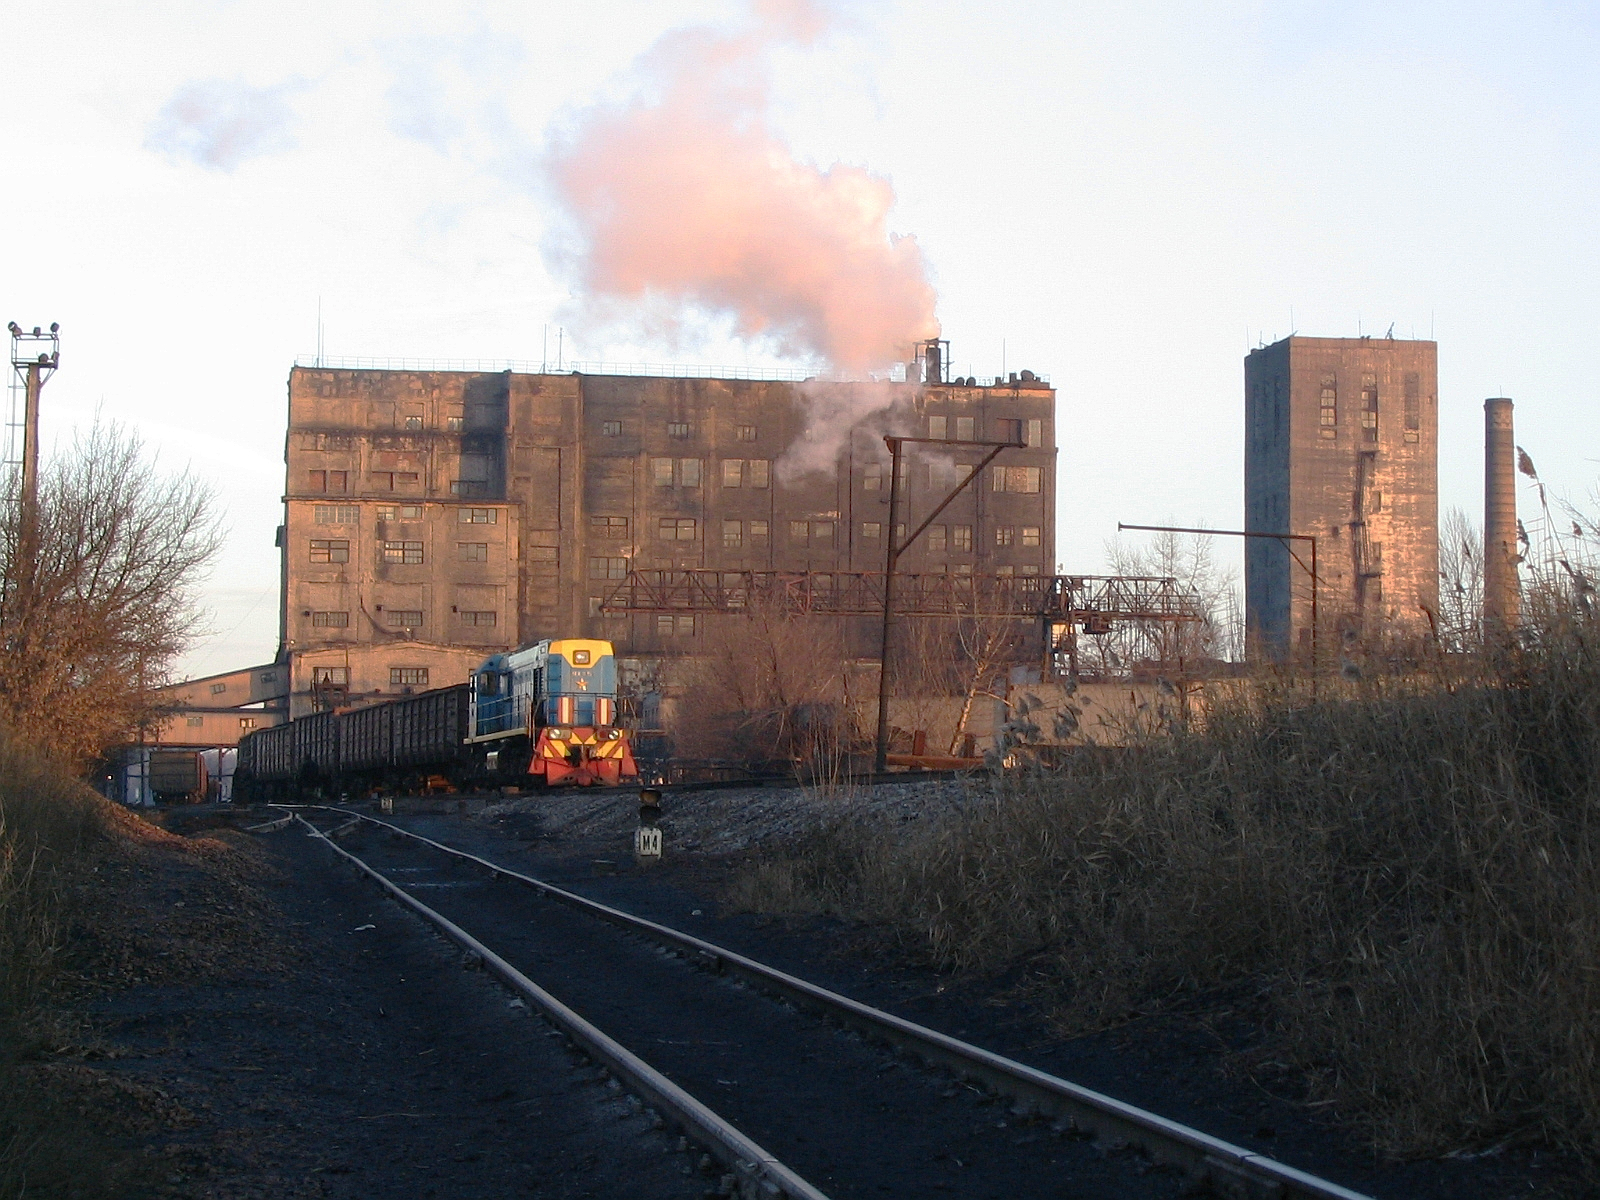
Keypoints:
(413, 422)
(745, 433)
(330, 481)
(871, 530)
(478, 516)
(406, 478)
(678, 429)
(937, 427)
(402, 552)
(402, 618)
(1369, 408)
(964, 429)
(1029, 570)
(732, 472)
(608, 566)
(1018, 479)
(1328, 418)
(1005, 572)
(677, 529)
(613, 528)
(685, 471)
(900, 532)
(610, 428)
(1413, 406)
(757, 472)
(961, 538)
(963, 569)
(800, 532)
(670, 625)
(218, 688)
(1007, 430)
(1030, 535)
(410, 676)
(938, 538)
(330, 620)
(330, 676)
(469, 487)
(324, 550)
(197, 720)
(813, 533)
(337, 514)
(453, 424)
(472, 551)
(872, 477)
(1005, 535)
(758, 531)
(478, 617)
(1036, 432)
(821, 532)
(732, 534)
(244, 722)
(402, 512)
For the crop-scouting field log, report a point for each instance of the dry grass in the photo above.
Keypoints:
(48, 824)
(1412, 866)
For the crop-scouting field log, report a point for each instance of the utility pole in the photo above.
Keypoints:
(1285, 539)
(896, 548)
(34, 358)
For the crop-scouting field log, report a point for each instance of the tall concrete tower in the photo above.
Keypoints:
(1341, 444)
(1500, 594)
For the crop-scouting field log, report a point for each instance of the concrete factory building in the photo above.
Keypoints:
(435, 517)
(1341, 445)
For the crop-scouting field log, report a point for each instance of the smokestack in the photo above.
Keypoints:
(935, 367)
(1500, 593)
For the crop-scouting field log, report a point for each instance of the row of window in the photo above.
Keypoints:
(736, 472)
(1006, 429)
(337, 550)
(244, 722)
(340, 676)
(735, 534)
(338, 482)
(680, 430)
(401, 618)
(961, 429)
(350, 514)
(944, 474)
(1328, 404)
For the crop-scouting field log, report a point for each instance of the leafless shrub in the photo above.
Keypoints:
(1410, 863)
(100, 615)
(769, 685)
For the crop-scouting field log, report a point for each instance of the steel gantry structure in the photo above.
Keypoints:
(1062, 604)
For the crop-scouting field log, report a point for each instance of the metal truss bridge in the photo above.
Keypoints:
(1092, 601)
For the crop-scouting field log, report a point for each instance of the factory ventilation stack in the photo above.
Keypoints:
(1500, 593)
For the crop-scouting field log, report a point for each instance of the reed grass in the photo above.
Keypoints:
(1409, 865)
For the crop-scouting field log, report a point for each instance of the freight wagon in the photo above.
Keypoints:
(544, 714)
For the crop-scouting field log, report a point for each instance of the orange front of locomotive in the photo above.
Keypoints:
(583, 755)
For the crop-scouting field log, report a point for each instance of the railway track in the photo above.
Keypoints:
(837, 1113)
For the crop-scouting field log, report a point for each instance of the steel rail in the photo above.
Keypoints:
(1230, 1170)
(758, 1174)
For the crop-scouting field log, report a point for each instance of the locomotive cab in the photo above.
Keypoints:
(560, 695)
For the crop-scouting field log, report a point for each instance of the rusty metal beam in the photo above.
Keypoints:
(1060, 598)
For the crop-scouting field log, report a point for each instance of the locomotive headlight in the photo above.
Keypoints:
(558, 734)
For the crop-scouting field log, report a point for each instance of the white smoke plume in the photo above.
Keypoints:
(220, 123)
(684, 196)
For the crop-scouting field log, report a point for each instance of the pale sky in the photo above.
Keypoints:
(1124, 197)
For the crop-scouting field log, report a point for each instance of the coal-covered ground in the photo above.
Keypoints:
(317, 1040)
(1203, 1067)
(848, 1116)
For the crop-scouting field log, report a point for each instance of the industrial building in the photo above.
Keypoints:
(433, 517)
(1341, 446)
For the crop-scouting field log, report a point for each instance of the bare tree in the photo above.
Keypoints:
(1460, 582)
(97, 614)
(768, 685)
(1189, 559)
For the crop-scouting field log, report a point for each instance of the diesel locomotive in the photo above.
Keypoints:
(545, 714)
(554, 705)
